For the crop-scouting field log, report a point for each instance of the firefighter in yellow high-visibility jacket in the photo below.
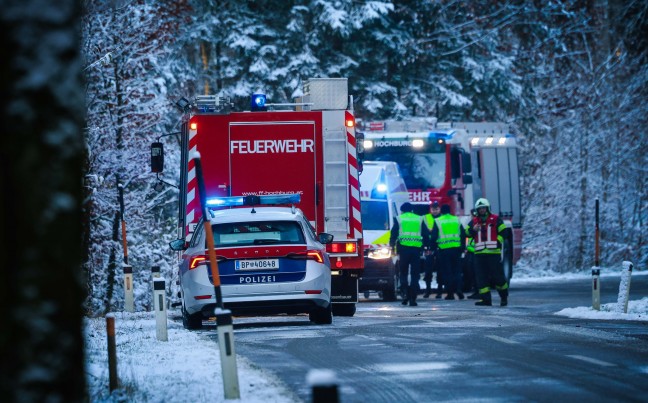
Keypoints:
(488, 232)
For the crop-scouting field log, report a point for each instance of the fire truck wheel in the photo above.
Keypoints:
(344, 309)
(321, 316)
(191, 322)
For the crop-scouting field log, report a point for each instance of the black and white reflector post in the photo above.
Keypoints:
(323, 383)
(225, 329)
(129, 296)
(224, 324)
(160, 310)
(596, 272)
(596, 289)
(155, 271)
(624, 288)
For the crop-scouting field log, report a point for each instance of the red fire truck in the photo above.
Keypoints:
(456, 164)
(308, 148)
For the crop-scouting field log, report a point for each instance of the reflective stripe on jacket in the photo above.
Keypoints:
(410, 230)
(488, 239)
(449, 228)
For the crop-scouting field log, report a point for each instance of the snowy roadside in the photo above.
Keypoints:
(186, 368)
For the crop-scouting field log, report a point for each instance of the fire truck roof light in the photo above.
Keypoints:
(381, 187)
(418, 143)
(368, 144)
(258, 102)
(289, 198)
(502, 140)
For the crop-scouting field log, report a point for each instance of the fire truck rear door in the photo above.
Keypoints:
(274, 157)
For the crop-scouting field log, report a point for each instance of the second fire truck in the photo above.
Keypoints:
(455, 164)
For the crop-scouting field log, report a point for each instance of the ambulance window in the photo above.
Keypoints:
(375, 215)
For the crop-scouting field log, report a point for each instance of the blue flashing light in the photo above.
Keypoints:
(258, 102)
(379, 191)
(254, 200)
(225, 201)
(443, 135)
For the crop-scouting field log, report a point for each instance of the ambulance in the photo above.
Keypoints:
(382, 192)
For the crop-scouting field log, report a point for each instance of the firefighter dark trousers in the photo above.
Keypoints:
(430, 268)
(489, 271)
(450, 269)
(410, 263)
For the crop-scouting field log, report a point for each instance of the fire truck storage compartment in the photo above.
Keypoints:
(326, 94)
(497, 168)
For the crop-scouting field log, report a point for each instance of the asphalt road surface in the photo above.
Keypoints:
(455, 351)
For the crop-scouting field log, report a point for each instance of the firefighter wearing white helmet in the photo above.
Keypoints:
(488, 233)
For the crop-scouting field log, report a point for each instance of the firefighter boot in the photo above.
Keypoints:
(428, 289)
(412, 296)
(485, 299)
(503, 297)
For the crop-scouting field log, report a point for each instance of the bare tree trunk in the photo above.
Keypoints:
(42, 288)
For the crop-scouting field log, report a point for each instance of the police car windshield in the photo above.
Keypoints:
(257, 233)
(375, 215)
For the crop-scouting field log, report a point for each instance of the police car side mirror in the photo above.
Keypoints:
(177, 245)
(324, 238)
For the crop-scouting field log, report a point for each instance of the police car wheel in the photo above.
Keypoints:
(321, 316)
(191, 322)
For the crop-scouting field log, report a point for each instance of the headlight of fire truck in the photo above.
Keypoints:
(380, 253)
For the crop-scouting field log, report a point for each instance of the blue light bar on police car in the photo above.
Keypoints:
(225, 201)
(253, 200)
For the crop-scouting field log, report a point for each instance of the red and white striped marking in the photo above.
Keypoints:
(355, 224)
(193, 202)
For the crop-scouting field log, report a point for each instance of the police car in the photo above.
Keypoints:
(270, 261)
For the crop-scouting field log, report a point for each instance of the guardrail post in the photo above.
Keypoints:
(129, 296)
(225, 330)
(113, 381)
(160, 309)
(324, 386)
(596, 289)
(624, 288)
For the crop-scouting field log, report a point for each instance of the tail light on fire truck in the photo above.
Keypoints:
(342, 247)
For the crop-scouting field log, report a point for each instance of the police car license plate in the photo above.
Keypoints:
(257, 264)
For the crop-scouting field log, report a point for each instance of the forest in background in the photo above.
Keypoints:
(569, 77)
